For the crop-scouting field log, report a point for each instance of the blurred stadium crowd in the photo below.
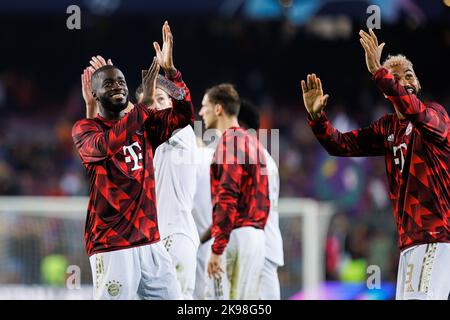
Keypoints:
(40, 99)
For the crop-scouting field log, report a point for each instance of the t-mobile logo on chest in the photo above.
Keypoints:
(400, 160)
(133, 155)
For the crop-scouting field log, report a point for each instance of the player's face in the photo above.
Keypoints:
(112, 91)
(407, 78)
(162, 100)
(207, 113)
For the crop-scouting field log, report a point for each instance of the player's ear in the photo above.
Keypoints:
(218, 109)
(94, 94)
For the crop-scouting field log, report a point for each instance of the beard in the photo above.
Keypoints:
(109, 105)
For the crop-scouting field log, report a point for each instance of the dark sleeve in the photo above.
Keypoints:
(368, 141)
(95, 144)
(162, 123)
(431, 123)
(225, 190)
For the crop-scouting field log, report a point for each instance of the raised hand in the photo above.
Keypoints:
(98, 62)
(372, 50)
(313, 97)
(86, 89)
(149, 83)
(164, 56)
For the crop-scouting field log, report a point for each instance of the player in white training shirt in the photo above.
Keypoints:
(175, 183)
(270, 285)
(202, 213)
(175, 177)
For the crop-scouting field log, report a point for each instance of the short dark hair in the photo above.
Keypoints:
(248, 115)
(226, 95)
(96, 74)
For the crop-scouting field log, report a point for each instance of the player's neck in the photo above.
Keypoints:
(226, 123)
(399, 114)
(111, 115)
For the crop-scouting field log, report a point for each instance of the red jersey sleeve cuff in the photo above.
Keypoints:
(176, 77)
(215, 248)
(323, 118)
(380, 73)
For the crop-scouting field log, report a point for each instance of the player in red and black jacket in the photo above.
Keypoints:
(240, 199)
(415, 143)
(121, 232)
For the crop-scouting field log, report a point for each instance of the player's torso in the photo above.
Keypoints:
(202, 200)
(416, 180)
(132, 159)
(130, 169)
(274, 242)
(121, 205)
(399, 148)
(175, 177)
(253, 201)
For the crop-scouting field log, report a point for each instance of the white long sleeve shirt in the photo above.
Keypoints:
(274, 242)
(176, 179)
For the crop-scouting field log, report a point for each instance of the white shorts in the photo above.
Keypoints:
(203, 253)
(184, 257)
(424, 272)
(270, 284)
(243, 260)
(144, 272)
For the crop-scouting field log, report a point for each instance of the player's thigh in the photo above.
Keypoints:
(439, 278)
(411, 279)
(248, 263)
(250, 252)
(217, 288)
(184, 257)
(184, 254)
(270, 284)
(158, 276)
(426, 272)
(402, 267)
(116, 274)
(201, 274)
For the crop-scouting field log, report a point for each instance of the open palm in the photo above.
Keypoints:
(86, 89)
(372, 50)
(164, 55)
(313, 97)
